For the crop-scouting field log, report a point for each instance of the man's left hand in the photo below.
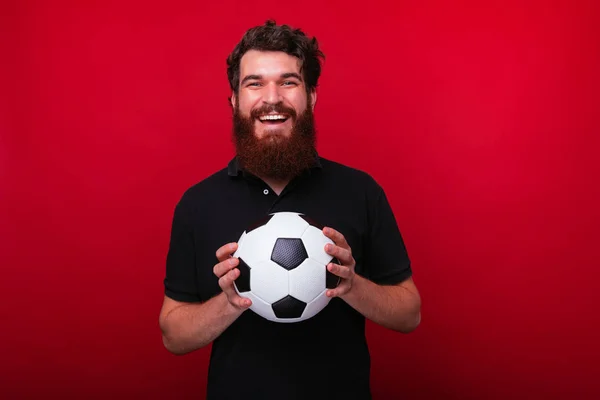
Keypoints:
(345, 269)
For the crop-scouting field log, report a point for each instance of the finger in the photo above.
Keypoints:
(342, 254)
(340, 290)
(225, 266)
(226, 284)
(339, 270)
(226, 281)
(242, 302)
(336, 236)
(226, 251)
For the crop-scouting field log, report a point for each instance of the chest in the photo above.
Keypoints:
(244, 208)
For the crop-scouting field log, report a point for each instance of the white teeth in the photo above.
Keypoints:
(272, 117)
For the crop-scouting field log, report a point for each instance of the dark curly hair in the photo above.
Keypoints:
(273, 37)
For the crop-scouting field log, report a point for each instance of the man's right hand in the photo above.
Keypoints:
(227, 273)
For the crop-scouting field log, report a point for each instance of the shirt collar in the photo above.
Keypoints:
(234, 169)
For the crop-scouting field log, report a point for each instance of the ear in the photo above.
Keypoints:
(313, 98)
(233, 100)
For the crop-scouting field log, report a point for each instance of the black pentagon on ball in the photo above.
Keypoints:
(332, 281)
(243, 281)
(288, 307)
(289, 253)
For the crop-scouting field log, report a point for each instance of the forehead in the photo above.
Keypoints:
(268, 63)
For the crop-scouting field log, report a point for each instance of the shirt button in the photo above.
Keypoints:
(266, 191)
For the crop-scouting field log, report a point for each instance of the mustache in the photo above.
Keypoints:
(273, 108)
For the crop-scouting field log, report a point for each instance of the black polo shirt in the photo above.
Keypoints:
(323, 357)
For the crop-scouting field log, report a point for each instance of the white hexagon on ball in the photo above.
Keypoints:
(260, 306)
(314, 242)
(256, 245)
(269, 281)
(293, 225)
(315, 306)
(307, 281)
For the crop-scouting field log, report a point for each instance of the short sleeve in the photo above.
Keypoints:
(181, 276)
(387, 260)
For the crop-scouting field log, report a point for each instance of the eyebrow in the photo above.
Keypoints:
(284, 76)
(291, 75)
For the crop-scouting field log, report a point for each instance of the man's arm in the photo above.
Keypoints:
(396, 307)
(190, 326)
(187, 327)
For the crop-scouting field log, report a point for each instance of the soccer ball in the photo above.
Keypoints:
(283, 267)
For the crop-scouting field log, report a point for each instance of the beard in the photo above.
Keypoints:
(275, 156)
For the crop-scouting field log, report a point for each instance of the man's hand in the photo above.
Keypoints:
(227, 273)
(396, 307)
(190, 326)
(345, 269)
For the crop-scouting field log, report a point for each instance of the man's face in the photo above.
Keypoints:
(273, 123)
(271, 92)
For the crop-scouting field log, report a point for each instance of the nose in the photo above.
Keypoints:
(271, 94)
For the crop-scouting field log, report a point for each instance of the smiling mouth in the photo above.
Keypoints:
(273, 119)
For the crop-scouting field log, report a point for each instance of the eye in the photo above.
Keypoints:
(253, 84)
(288, 83)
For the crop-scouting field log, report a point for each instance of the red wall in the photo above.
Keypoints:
(481, 121)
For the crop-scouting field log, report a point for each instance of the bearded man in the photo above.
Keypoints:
(273, 74)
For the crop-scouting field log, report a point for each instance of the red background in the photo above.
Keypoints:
(479, 118)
